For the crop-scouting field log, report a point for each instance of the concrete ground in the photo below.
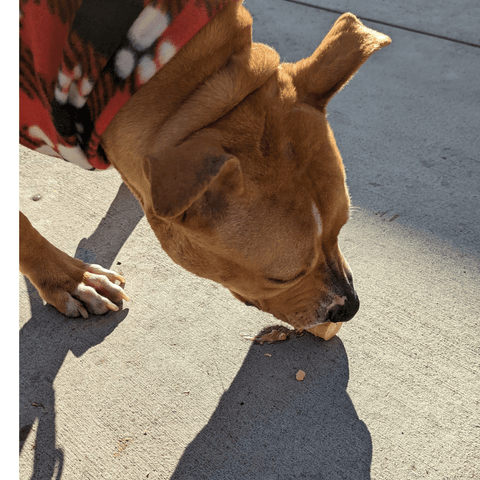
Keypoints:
(170, 388)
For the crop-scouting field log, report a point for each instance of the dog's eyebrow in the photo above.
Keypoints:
(276, 280)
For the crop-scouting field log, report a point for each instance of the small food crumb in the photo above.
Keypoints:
(300, 375)
(273, 336)
(267, 355)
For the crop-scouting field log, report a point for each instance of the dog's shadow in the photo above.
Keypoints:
(116, 226)
(269, 425)
(48, 336)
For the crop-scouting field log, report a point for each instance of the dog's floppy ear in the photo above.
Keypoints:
(345, 48)
(180, 175)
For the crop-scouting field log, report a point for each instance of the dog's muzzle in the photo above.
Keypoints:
(345, 312)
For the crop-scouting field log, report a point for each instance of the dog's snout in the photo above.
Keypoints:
(345, 312)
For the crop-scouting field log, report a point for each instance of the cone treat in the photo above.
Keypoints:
(325, 330)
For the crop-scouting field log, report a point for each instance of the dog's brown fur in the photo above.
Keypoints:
(227, 151)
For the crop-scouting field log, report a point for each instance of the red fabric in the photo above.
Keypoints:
(81, 60)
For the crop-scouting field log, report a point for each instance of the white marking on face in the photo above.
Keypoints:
(318, 219)
(337, 301)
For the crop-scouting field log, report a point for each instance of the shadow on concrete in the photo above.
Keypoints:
(269, 425)
(45, 341)
(48, 336)
(122, 217)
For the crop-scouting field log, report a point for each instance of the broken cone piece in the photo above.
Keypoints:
(325, 330)
(300, 375)
(273, 336)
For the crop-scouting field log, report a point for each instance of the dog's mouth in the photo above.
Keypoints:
(316, 324)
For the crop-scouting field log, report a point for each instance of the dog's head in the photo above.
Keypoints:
(256, 200)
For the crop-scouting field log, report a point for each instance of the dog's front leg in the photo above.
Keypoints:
(70, 285)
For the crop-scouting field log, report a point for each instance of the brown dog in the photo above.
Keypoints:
(238, 173)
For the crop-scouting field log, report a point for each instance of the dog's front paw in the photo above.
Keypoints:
(75, 288)
(96, 293)
(70, 285)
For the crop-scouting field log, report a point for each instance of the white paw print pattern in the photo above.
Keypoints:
(146, 69)
(149, 25)
(74, 155)
(79, 92)
(64, 82)
(71, 154)
(72, 87)
(165, 52)
(143, 33)
(124, 63)
(36, 132)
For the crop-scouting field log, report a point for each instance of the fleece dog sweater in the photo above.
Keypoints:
(81, 60)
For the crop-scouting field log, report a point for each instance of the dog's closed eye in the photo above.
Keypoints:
(283, 282)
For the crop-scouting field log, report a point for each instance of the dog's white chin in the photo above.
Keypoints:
(316, 324)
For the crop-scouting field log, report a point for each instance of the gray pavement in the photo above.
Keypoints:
(169, 388)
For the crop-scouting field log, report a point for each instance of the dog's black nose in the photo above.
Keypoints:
(345, 312)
